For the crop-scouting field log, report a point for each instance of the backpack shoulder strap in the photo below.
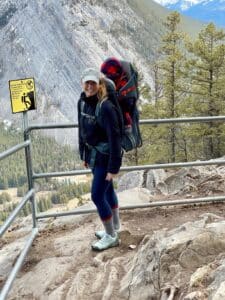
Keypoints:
(83, 114)
(82, 104)
(98, 108)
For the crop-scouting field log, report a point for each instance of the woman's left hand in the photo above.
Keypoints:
(110, 176)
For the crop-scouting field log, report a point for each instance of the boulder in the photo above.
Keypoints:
(134, 196)
(173, 256)
(130, 180)
(154, 177)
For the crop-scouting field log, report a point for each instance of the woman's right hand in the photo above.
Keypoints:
(110, 176)
(86, 164)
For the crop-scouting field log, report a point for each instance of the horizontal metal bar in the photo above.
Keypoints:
(143, 121)
(67, 213)
(52, 126)
(6, 288)
(15, 212)
(145, 205)
(174, 165)
(176, 202)
(14, 149)
(59, 174)
(135, 168)
(182, 120)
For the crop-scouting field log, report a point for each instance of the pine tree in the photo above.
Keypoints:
(4, 183)
(157, 88)
(40, 205)
(206, 70)
(172, 65)
(5, 197)
(26, 210)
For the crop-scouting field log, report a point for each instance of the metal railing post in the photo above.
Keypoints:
(28, 158)
(7, 286)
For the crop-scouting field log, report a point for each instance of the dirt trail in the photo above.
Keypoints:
(135, 225)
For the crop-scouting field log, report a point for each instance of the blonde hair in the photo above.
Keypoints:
(102, 90)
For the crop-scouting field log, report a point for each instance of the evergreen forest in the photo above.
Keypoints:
(47, 156)
(188, 81)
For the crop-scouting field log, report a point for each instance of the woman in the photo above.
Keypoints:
(100, 149)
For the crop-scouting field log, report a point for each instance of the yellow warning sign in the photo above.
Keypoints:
(22, 94)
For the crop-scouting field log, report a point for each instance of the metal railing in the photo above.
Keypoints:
(32, 176)
(135, 168)
(29, 196)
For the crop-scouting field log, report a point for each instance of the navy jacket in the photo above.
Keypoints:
(91, 133)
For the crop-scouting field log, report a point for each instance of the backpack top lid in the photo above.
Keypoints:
(123, 75)
(112, 68)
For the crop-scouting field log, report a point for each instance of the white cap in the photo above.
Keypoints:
(90, 75)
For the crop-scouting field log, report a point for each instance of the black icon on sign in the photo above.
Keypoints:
(29, 85)
(28, 100)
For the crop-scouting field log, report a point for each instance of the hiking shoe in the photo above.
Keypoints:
(100, 233)
(107, 241)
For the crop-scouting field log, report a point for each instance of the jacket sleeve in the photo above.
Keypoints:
(111, 125)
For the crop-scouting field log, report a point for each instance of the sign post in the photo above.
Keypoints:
(23, 98)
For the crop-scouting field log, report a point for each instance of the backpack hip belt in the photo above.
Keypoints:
(101, 147)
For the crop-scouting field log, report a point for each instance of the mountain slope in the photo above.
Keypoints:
(154, 12)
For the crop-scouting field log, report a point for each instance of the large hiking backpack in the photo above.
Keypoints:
(125, 77)
(131, 138)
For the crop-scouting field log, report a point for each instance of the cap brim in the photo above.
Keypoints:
(90, 78)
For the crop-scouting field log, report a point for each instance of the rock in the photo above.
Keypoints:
(205, 180)
(198, 295)
(154, 177)
(199, 276)
(134, 196)
(8, 256)
(162, 188)
(132, 247)
(130, 180)
(220, 293)
(176, 182)
(194, 173)
(217, 286)
(210, 217)
(171, 256)
(45, 276)
(168, 292)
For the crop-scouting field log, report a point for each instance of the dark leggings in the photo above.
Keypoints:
(103, 194)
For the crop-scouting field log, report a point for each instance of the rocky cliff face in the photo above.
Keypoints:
(53, 41)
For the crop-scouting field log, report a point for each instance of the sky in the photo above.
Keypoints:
(164, 2)
(204, 10)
